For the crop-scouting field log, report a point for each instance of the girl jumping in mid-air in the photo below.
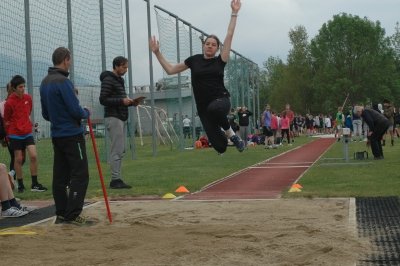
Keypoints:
(212, 98)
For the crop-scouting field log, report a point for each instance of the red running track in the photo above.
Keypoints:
(266, 180)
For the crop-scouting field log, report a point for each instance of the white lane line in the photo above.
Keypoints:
(280, 167)
(352, 216)
(292, 163)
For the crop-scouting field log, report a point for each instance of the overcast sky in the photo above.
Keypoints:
(262, 27)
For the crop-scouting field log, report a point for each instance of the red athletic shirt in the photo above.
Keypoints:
(16, 115)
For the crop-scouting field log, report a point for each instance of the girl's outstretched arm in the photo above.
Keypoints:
(168, 67)
(235, 6)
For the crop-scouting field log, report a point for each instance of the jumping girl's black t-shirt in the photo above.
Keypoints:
(207, 79)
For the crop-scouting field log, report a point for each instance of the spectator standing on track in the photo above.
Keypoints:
(327, 123)
(285, 127)
(60, 106)
(317, 124)
(17, 111)
(289, 114)
(207, 70)
(274, 128)
(309, 123)
(266, 125)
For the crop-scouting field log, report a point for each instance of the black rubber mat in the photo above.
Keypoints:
(32, 217)
(379, 220)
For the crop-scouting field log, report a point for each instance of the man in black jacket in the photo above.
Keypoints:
(115, 101)
(244, 120)
(378, 125)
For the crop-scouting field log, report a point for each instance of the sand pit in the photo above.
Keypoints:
(264, 232)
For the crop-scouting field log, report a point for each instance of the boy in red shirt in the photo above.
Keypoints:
(17, 110)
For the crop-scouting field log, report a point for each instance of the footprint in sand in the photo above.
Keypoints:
(338, 217)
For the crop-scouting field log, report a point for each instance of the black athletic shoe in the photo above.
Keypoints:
(119, 184)
(238, 143)
(21, 189)
(81, 221)
(59, 219)
(38, 188)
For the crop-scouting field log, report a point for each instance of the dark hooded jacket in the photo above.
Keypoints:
(112, 94)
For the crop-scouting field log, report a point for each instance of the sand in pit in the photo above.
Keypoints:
(265, 232)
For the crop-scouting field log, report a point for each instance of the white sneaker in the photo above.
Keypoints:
(27, 208)
(13, 212)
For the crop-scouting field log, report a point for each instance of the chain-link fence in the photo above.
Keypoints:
(30, 31)
(95, 31)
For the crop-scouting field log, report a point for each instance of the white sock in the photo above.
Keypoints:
(229, 132)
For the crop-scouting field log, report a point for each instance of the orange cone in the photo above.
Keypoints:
(182, 189)
(297, 186)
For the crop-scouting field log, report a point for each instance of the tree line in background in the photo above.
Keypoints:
(349, 56)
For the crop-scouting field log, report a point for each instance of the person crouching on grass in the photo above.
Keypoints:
(378, 125)
(212, 98)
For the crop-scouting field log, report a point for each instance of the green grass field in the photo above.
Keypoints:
(153, 175)
(171, 168)
(333, 177)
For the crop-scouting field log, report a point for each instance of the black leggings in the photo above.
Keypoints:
(214, 117)
(286, 131)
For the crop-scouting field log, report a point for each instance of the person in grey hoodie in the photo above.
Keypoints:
(116, 102)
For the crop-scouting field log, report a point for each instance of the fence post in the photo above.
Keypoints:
(28, 47)
(153, 120)
(178, 60)
(132, 124)
(70, 40)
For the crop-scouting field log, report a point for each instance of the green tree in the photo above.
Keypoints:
(395, 41)
(352, 56)
(299, 71)
(272, 83)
